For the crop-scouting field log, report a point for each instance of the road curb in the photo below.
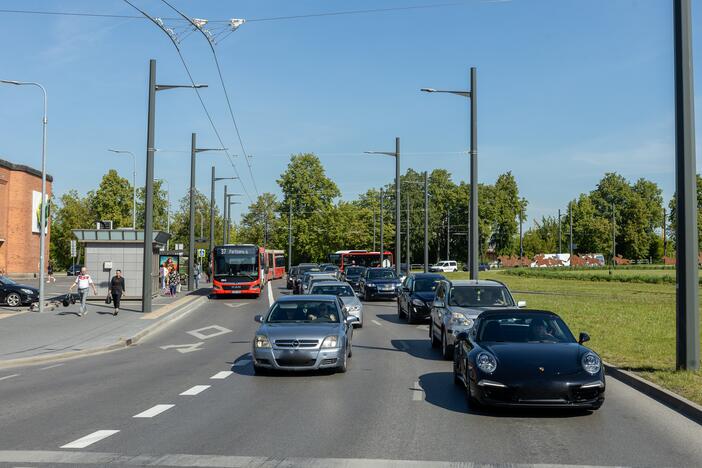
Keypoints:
(687, 408)
(177, 313)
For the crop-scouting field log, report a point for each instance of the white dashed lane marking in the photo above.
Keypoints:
(51, 367)
(90, 439)
(222, 375)
(153, 411)
(417, 392)
(195, 390)
(270, 294)
(9, 376)
(377, 323)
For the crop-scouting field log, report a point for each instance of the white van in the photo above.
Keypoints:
(445, 266)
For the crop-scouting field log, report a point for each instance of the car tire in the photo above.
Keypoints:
(410, 317)
(350, 353)
(13, 299)
(473, 403)
(446, 350)
(366, 297)
(456, 379)
(344, 365)
(258, 370)
(434, 341)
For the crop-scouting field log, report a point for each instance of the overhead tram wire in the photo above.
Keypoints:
(224, 88)
(197, 92)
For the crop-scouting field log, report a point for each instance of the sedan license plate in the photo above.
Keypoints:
(386, 287)
(236, 291)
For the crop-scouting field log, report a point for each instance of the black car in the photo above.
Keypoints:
(290, 280)
(379, 282)
(416, 296)
(352, 275)
(527, 358)
(14, 294)
(302, 268)
(73, 270)
(481, 267)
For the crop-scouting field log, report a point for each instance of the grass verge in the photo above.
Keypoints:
(632, 325)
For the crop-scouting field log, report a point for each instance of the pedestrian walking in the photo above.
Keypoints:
(50, 271)
(84, 282)
(173, 280)
(117, 289)
(196, 276)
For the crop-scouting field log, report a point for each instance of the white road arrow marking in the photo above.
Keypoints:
(209, 332)
(185, 348)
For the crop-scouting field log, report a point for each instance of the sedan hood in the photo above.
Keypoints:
(426, 296)
(472, 312)
(350, 300)
(23, 286)
(525, 359)
(310, 331)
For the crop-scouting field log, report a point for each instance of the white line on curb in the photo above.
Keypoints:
(9, 376)
(90, 439)
(377, 323)
(270, 294)
(153, 411)
(222, 375)
(195, 390)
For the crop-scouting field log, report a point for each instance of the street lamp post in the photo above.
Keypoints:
(396, 155)
(228, 204)
(133, 183)
(42, 216)
(382, 250)
(147, 271)
(473, 230)
(426, 222)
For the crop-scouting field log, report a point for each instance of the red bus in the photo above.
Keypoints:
(276, 264)
(343, 258)
(238, 269)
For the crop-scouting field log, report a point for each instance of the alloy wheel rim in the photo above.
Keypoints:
(13, 300)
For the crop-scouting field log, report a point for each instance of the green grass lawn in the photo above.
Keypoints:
(631, 325)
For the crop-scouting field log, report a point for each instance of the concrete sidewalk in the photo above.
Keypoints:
(30, 338)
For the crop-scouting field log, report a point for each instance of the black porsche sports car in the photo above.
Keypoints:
(527, 358)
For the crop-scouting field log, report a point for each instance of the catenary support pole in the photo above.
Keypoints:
(560, 236)
(225, 211)
(570, 233)
(426, 222)
(147, 273)
(687, 356)
(407, 259)
(381, 228)
(191, 219)
(289, 235)
(212, 211)
(398, 246)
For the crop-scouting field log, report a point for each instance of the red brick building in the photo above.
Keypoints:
(20, 200)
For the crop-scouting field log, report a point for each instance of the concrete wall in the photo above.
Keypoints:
(125, 256)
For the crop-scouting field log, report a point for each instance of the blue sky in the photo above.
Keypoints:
(567, 89)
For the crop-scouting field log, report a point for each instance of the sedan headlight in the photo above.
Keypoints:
(27, 291)
(486, 362)
(353, 308)
(330, 342)
(591, 363)
(262, 341)
(370, 285)
(418, 303)
(458, 319)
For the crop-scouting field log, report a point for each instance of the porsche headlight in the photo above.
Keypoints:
(262, 341)
(330, 342)
(418, 303)
(486, 362)
(591, 363)
(27, 291)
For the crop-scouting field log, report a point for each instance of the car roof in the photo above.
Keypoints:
(476, 283)
(380, 268)
(514, 310)
(428, 275)
(307, 297)
(331, 283)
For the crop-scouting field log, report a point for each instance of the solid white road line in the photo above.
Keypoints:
(270, 294)
(90, 439)
(51, 367)
(9, 376)
(195, 390)
(153, 411)
(235, 305)
(377, 323)
(417, 392)
(222, 375)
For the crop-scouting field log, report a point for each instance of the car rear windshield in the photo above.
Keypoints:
(480, 296)
(334, 290)
(303, 312)
(425, 284)
(382, 274)
(354, 271)
(525, 328)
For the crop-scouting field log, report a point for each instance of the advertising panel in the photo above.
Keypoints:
(36, 211)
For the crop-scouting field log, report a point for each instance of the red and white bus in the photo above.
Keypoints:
(276, 264)
(344, 258)
(239, 269)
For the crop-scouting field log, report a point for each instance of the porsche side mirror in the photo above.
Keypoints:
(583, 338)
(521, 304)
(258, 318)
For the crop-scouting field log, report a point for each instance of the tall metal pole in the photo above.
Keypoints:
(146, 287)
(191, 231)
(426, 222)
(474, 238)
(409, 265)
(212, 210)
(224, 219)
(665, 236)
(398, 246)
(687, 329)
(570, 234)
(448, 235)
(559, 232)
(382, 251)
(614, 234)
(374, 229)
(521, 233)
(42, 217)
(289, 235)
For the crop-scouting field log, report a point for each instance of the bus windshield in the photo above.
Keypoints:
(232, 261)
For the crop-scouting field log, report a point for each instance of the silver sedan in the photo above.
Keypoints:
(344, 291)
(301, 333)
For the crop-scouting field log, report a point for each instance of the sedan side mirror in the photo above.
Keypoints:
(351, 319)
(583, 338)
(438, 304)
(521, 304)
(258, 318)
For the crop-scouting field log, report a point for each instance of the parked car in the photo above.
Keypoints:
(417, 295)
(343, 290)
(458, 303)
(481, 267)
(73, 270)
(303, 333)
(444, 266)
(379, 282)
(14, 294)
(290, 279)
(527, 358)
(352, 274)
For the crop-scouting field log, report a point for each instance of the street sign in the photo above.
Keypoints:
(201, 253)
(74, 248)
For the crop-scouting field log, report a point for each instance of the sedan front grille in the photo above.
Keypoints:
(296, 343)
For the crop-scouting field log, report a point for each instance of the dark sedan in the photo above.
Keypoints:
(290, 280)
(379, 282)
(527, 358)
(352, 275)
(15, 295)
(417, 295)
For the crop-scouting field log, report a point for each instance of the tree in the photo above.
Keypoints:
(113, 200)
(261, 224)
(673, 220)
(506, 210)
(72, 212)
(180, 222)
(160, 206)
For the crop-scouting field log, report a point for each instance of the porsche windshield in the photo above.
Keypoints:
(304, 312)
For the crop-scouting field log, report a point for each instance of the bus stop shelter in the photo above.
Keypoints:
(109, 250)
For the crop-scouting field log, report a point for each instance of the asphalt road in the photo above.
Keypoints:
(396, 403)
